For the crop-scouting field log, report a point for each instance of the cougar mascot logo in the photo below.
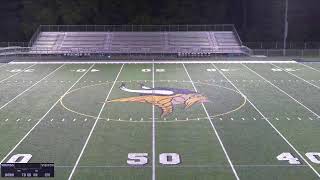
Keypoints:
(164, 98)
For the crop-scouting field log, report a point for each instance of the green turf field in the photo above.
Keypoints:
(211, 121)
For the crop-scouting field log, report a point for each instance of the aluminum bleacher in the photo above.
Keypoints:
(195, 41)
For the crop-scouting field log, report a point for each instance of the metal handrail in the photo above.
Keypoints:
(136, 28)
(234, 30)
(34, 37)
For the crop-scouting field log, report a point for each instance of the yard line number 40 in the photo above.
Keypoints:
(287, 156)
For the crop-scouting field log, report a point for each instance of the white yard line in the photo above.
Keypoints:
(94, 125)
(17, 73)
(31, 86)
(153, 133)
(265, 118)
(25, 136)
(281, 90)
(297, 76)
(213, 127)
(310, 67)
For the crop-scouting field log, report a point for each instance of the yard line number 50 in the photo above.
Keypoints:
(140, 159)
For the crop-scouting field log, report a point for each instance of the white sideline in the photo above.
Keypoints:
(17, 73)
(146, 62)
(265, 118)
(214, 128)
(153, 133)
(25, 136)
(189, 166)
(282, 91)
(309, 67)
(31, 86)
(297, 77)
(94, 125)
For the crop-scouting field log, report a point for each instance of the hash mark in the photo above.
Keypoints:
(62, 120)
(85, 120)
(299, 118)
(29, 120)
(74, 120)
(310, 118)
(7, 120)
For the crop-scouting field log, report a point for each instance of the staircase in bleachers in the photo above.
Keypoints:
(226, 39)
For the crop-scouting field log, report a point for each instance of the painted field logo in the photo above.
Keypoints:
(164, 98)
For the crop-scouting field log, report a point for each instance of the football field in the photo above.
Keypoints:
(163, 121)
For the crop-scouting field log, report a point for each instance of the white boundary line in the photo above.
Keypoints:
(191, 166)
(31, 86)
(297, 77)
(282, 91)
(214, 128)
(156, 62)
(94, 125)
(265, 118)
(309, 67)
(17, 73)
(25, 136)
(153, 133)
